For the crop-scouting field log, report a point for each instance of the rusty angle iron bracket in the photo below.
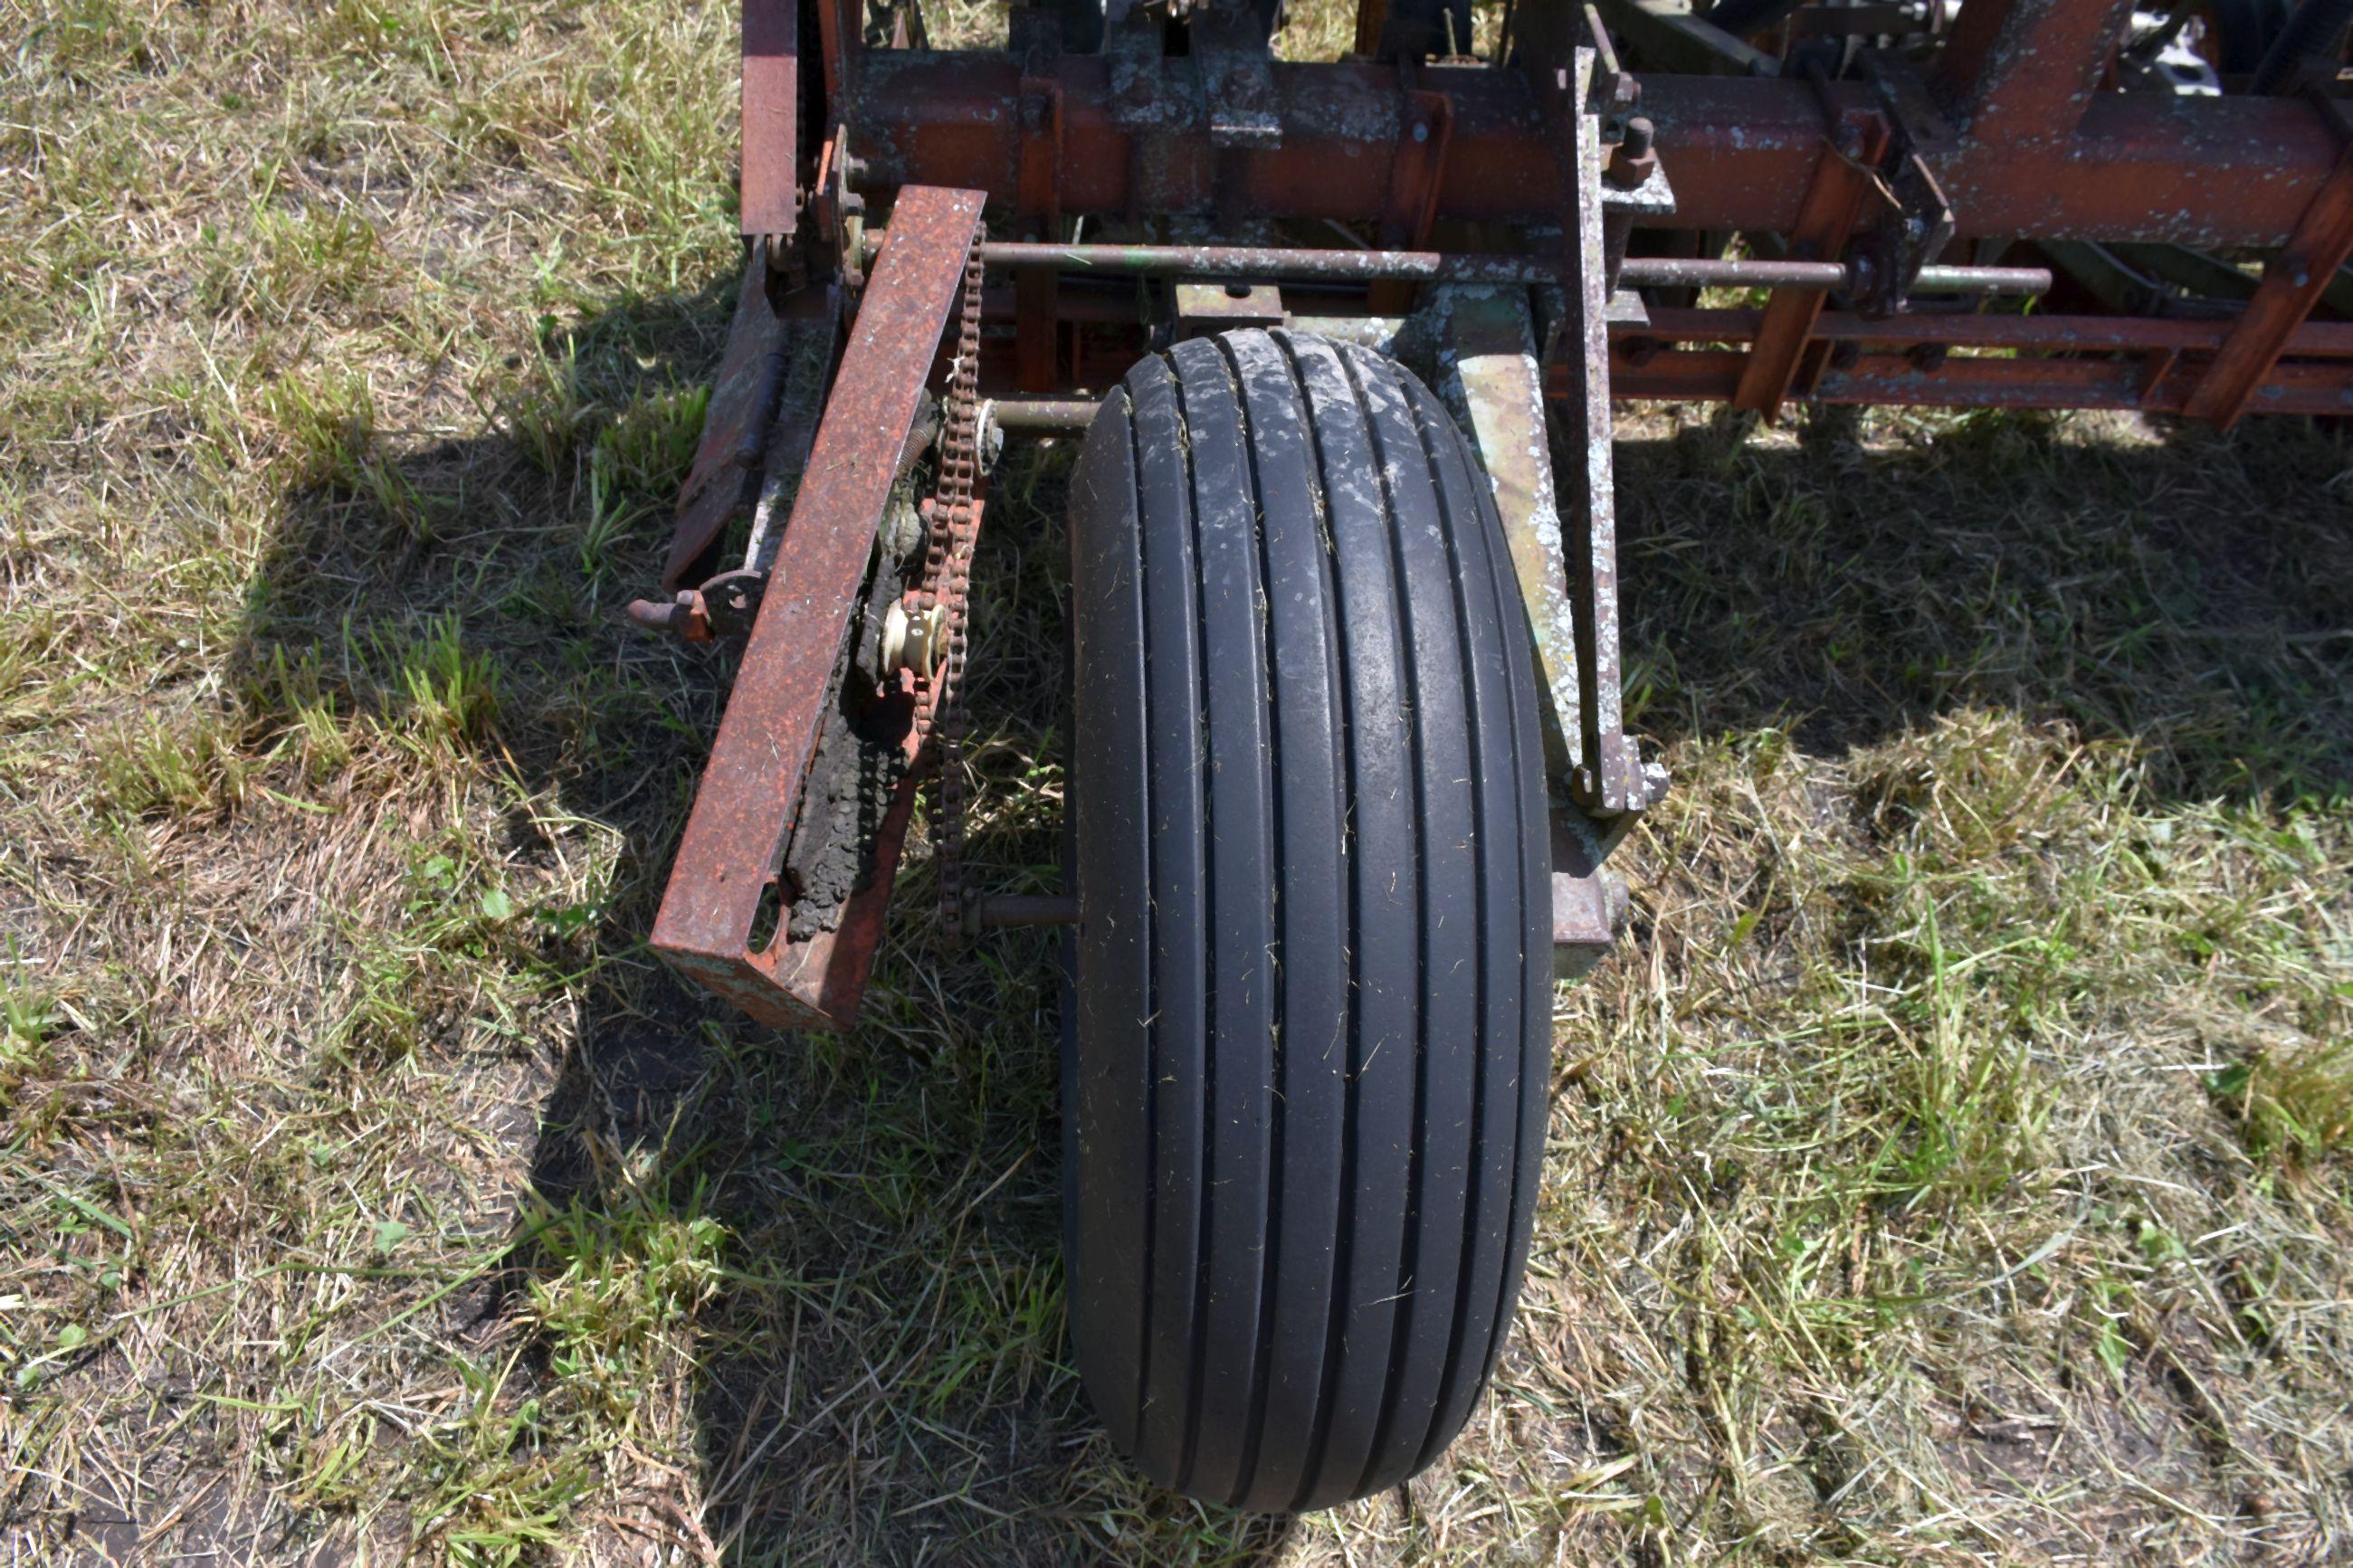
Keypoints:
(1606, 777)
(728, 865)
(1488, 373)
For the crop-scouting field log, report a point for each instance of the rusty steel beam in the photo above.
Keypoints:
(2292, 283)
(2045, 334)
(2207, 172)
(1934, 381)
(1836, 204)
(2021, 73)
(771, 66)
(1742, 152)
(729, 856)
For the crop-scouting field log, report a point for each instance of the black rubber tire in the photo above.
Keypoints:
(1313, 967)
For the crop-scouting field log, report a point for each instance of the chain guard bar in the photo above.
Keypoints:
(725, 918)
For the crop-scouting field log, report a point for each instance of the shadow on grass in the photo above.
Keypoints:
(857, 1240)
(2192, 596)
(877, 1336)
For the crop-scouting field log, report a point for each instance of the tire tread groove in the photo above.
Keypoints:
(1340, 968)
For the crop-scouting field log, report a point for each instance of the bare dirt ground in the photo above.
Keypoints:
(1953, 1166)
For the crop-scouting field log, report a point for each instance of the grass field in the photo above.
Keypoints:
(1954, 1166)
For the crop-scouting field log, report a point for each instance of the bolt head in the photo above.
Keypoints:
(1420, 131)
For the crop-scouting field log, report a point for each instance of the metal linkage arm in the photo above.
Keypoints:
(729, 859)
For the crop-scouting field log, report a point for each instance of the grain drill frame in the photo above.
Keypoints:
(1290, 1270)
(1582, 205)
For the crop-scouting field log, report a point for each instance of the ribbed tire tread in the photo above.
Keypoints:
(1314, 971)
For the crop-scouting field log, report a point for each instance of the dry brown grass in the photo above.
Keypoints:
(1952, 1165)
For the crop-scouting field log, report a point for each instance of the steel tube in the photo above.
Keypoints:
(1042, 413)
(1698, 272)
(2205, 171)
(1444, 266)
(2033, 334)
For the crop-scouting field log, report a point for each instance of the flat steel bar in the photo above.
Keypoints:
(1491, 376)
(754, 369)
(1709, 375)
(1833, 208)
(729, 855)
(2209, 172)
(771, 107)
(1670, 34)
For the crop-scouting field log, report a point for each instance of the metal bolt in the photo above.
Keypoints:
(1635, 158)
(1420, 131)
(684, 615)
(2299, 275)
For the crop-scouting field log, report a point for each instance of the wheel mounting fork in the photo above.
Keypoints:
(1563, 536)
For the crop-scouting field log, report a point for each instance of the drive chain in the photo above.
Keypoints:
(947, 583)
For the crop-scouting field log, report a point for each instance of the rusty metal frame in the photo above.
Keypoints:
(2007, 133)
(2010, 130)
(1843, 186)
(2292, 284)
(2213, 172)
(771, 109)
(727, 867)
